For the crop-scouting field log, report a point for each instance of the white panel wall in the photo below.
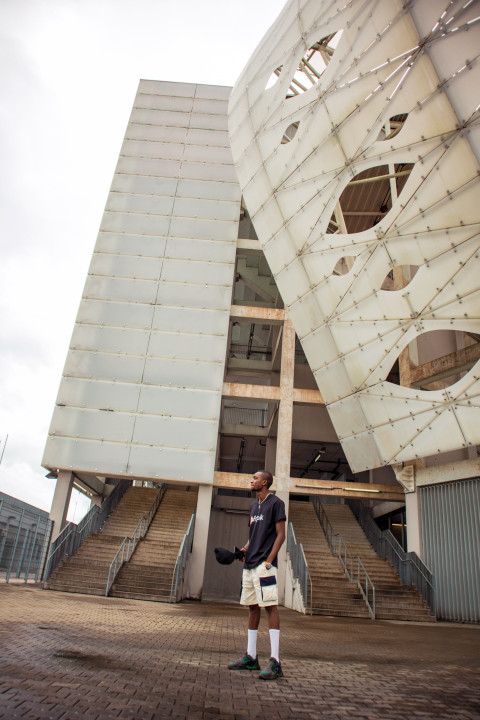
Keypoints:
(418, 59)
(141, 389)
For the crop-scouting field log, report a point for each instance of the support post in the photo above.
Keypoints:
(284, 437)
(196, 566)
(22, 554)
(412, 510)
(14, 550)
(32, 550)
(60, 502)
(270, 453)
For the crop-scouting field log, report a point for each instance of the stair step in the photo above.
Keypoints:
(333, 594)
(141, 596)
(148, 575)
(161, 589)
(133, 578)
(340, 613)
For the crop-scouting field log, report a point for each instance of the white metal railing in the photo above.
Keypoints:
(181, 561)
(300, 568)
(129, 544)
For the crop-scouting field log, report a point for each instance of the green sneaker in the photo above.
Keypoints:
(272, 671)
(244, 663)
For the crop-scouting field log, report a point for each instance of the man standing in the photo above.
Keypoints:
(259, 580)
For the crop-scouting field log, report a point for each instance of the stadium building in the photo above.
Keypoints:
(286, 277)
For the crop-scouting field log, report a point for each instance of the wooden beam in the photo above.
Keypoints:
(303, 486)
(270, 392)
(307, 397)
(239, 481)
(442, 367)
(270, 316)
(256, 392)
(368, 491)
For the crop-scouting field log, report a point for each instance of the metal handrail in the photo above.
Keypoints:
(130, 543)
(366, 595)
(353, 570)
(345, 556)
(300, 567)
(181, 561)
(73, 536)
(408, 566)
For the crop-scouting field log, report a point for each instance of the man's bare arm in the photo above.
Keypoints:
(279, 540)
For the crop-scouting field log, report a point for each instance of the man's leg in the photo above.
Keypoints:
(273, 617)
(249, 661)
(253, 622)
(254, 616)
(273, 669)
(274, 629)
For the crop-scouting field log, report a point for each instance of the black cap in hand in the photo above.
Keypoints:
(225, 557)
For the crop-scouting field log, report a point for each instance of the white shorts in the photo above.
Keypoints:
(259, 586)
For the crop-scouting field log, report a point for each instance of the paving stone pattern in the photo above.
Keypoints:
(65, 656)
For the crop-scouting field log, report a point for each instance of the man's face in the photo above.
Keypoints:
(257, 482)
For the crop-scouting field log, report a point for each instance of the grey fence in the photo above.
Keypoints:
(451, 546)
(245, 416)
(252, 352)
(25, 533)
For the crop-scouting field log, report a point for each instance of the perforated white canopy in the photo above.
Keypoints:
(339, 92)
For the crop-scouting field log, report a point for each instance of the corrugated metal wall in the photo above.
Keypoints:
(451, 547)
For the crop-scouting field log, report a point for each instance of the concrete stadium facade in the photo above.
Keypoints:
(199, 352)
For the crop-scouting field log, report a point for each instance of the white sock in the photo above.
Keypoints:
(252, 643)
(275, 644)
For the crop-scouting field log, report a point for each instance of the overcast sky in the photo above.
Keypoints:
(70, 70)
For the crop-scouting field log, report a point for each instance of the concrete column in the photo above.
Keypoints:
(196, 566)
(270, 453)
(413, 523)
(284, 437)
(61, 501)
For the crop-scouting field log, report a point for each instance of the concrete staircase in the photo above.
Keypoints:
(87, 571)
(393, 601)
(333, 594)
(148, 574)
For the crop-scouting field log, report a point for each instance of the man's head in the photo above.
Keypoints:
(262, 479)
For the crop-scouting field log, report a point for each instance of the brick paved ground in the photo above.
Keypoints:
(65, 656)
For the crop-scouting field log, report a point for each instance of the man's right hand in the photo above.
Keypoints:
(240, 553)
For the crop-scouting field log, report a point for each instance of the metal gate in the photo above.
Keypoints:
(451, 547)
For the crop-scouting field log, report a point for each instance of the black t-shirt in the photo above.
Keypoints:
(262, 529)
